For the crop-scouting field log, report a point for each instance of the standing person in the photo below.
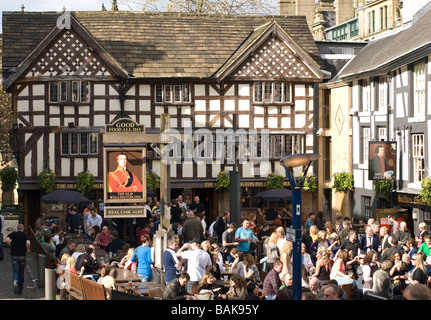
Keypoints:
(426, 246)
(94, 223)
(244, 235)
(228, 242)
(171, 263)
(197, 206)
(142, 256)
(2, 228)
(370, 241)
(403, 234)
(310, 221)
(422, 233)
(192, 227)
(385, 240)
(19, 243)
(395, 225)
(221, 225)
(198, 261)
(176, 214)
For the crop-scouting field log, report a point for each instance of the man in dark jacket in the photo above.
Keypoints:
(176, 289)
(87, 260)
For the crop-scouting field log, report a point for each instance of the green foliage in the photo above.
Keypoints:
(310, 182)
(153, 181)
(343, 182)
(425, 194)
(6, 116)
(8, 177)
(85, 181)
(223, 181)
(383, 187)
(274, 181)
(46, 180)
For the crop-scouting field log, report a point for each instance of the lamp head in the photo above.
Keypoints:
(297, 160)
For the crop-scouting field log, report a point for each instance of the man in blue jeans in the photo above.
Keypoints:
(19, 246)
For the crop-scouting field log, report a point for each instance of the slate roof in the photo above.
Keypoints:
(382, 55)
(154, 45)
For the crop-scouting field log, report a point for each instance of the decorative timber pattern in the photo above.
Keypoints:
(68, 56)
(273, 60)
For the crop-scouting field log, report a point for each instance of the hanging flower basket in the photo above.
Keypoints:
(274, 181)
(153, 181)
(383, 187)
(425, 194)
(343, 182)
(310, 182)
(223, 181)
(85, 182)
(8, 177)
(46, 180)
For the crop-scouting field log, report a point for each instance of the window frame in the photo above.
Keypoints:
(69, 87)
(416, 157)
(262, 97)
(70, 138)
(419, 90)
(166, 94)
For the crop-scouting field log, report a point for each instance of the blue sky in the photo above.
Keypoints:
(57, 5)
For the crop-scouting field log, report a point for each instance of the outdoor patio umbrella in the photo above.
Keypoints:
(65, 196)
(274, 195)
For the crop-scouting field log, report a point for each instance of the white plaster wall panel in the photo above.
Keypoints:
(25, 117)
(215, 168)
(300, 90)
(38, 105)
(309, 140)
(265, 168)
(156, 167)
(401, 107)
(202, 169)
(186, 110)
(272, 110)
(111, 118)
(129, 105)
(38, 89)
(27, 165)
(215, 105)
(131, 91)
(259, 110)
(24, 92)
(144, 90)
(79, 166)
(93, 166)
(199, 90)
(52, 150)
(279, 168)
(54, 110)
(65, 167)
(39, 120)
(22, 106)
(188, 169)
(186, 122)
(84, 122)
(173, 170)
(355, 96)
(216, 123)
(299, 120)
(258, 122)
(99, 89)
(243, 105)
(243, 121)
(99, 119)
(310, 91)
(358, 175)
(247, 169)
(54, 122)
(200, 105)
(99, 105)
(173, 122)
(114, 105)
(112, 91)
(213, 92)
(200, 120)
(286, 110)
(173, 110)
(285, 123)
(145, 120)
(231, 91)
(229, 105)
(39, 152)
(244, 90)
(272, 122)
(144, 105)
(299, 105)
(84, 110)
(69, 110)
(368, 184)
(159, 110)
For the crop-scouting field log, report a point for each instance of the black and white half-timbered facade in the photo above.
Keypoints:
(70, 74)
(390, 98)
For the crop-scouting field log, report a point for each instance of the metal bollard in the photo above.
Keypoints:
(41, 264)
(50, 284)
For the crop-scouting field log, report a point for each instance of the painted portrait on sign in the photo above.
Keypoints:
(382, 160)
(125, 181)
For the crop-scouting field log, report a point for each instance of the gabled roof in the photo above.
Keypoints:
(154, 45)
(258, 38)
(383, 55)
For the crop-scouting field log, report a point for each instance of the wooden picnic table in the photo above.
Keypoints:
(140, 288)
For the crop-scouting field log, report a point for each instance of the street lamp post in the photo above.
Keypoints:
(289, 162)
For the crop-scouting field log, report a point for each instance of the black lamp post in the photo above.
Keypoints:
(6, 154)
(289, 162)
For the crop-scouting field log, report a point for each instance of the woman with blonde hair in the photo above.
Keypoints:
(126, 262)
(70, 265)
(272, 251)
(321, 242)
(64, 258)
(323, 266)
(313, 232)
(285, 257)
(282, 238)
(418, 274)
(338, 271)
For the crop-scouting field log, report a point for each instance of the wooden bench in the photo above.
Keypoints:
(75, 286)
(92, 290)
(155, 293)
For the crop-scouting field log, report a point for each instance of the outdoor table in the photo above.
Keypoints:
(140, 288)
(124, 275)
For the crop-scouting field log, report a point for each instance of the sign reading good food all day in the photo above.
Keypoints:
(124, 125)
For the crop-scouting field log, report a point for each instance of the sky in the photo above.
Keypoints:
(57, 5)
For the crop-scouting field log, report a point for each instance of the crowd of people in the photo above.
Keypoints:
(337, 262)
